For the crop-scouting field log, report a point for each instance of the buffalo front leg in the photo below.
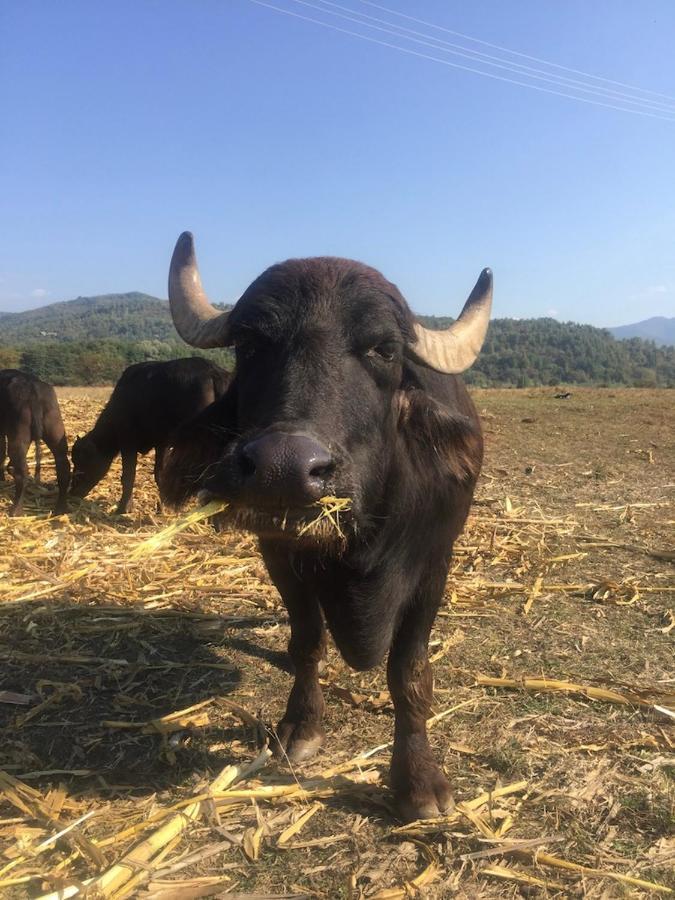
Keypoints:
(421, 790)
(160, 453)
(17, 458)
(3, 455)
(60, 451)
(300, 733)
(128, 478)
(55, 438)
(38, 461)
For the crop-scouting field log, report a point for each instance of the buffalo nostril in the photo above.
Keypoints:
(321, 469)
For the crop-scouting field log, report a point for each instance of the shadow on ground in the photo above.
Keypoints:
(95, 677)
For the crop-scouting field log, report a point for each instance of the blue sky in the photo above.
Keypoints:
(269, 136)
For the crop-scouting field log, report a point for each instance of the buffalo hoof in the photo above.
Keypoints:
(425, 800)
(297, 741)
(421, 790)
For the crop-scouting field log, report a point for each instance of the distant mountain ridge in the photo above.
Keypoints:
(659, 329)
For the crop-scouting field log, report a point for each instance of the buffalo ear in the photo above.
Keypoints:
(184, 464)
(449, 440)
(195, 446)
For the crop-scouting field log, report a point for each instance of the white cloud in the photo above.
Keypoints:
(552, 313)
(38, 293)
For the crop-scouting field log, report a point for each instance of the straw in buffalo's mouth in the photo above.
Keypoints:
(327, 521)
(331, 507)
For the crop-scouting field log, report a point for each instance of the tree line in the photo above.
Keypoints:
(96, 362)
(91, 340)
(528, 352)
(515, 354)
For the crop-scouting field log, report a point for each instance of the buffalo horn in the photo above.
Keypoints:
(197, 321)
(456, 348)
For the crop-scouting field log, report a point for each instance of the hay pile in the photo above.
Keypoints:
(137, 695)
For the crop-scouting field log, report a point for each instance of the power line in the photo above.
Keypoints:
(538, 59)
(487, 59)
(491, 59)
(446, 62)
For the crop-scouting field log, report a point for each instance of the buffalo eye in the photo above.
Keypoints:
(385, 351)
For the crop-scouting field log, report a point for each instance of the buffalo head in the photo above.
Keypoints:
(90, 465)
(326, 388)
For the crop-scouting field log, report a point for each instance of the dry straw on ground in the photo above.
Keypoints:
(136, 693)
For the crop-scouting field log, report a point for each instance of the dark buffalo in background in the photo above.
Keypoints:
(147, 404)
(29, 411)
(339, 391)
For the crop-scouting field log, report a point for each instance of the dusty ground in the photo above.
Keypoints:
(564, 574)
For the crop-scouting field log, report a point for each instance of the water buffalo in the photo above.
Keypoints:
(148, 402)
(29, 411)
(339, 391)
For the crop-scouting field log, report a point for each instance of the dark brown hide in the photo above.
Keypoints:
(326, 399)
(29, 411)
(148, 403)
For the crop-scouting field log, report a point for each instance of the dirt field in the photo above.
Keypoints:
(126, 687)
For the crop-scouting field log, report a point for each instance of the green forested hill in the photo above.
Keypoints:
(524, 352)
(132, 317)
(91, 340)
